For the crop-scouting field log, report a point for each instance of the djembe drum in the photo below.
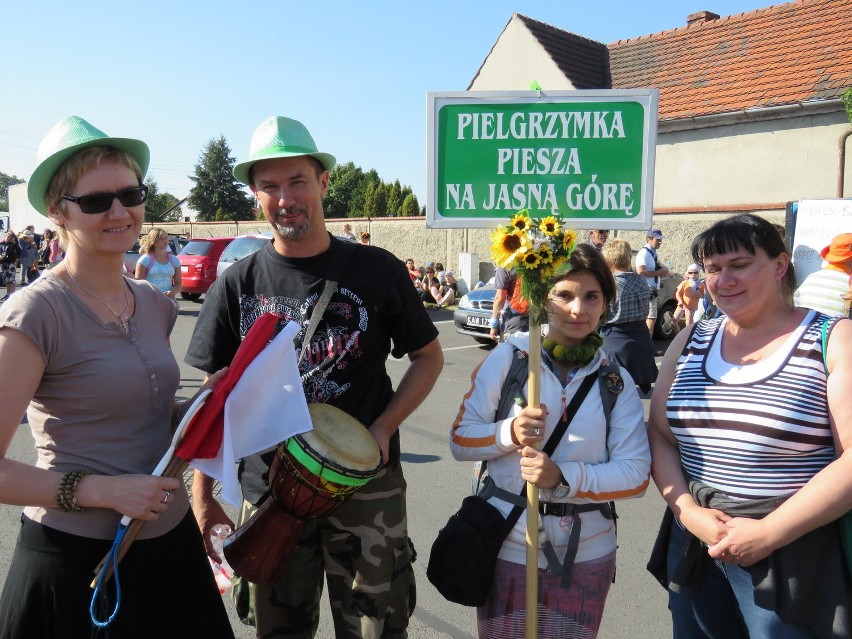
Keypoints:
(311, 475)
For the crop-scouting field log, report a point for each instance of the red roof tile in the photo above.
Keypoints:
(780, 55)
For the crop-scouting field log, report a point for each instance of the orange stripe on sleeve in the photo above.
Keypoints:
(617, 494)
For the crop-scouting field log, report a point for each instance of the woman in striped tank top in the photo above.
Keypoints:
(748, 433)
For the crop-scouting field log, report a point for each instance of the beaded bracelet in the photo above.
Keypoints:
(66, 498)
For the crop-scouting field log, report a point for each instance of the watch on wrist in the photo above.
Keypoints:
(562, 489)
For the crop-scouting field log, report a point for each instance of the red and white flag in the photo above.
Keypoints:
(258, 404)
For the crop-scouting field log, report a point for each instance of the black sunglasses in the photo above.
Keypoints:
(100, 202)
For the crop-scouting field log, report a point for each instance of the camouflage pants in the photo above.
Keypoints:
(364, 550)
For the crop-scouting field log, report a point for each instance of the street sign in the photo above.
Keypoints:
(585, 155)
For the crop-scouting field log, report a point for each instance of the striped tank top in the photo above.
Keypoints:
(753, 431)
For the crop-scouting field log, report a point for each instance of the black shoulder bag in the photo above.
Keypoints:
(463, 557)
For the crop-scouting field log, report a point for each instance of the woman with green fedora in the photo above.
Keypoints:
(94, 372)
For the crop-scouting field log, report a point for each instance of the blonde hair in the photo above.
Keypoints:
(617, 254)
(146, 244)
(74, 168)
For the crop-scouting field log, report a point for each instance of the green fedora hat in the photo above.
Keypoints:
(69, 136)
(280, 137)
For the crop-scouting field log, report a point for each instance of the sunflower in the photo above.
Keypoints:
(530, 260)
(549, 226)
(521, 220)
(505, 246)
(569, 240)
(558, 266)
(545, 253)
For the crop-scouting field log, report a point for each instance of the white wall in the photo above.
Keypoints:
(751, 163)
(516, 60)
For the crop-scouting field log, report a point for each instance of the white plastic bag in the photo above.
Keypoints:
(223, 572)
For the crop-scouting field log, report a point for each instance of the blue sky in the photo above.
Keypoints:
(179, 73)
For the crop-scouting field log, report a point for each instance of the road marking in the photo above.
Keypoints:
(459, 348)
(391, 358)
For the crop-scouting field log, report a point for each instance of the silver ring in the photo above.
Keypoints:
(166, 498)
(536, 431)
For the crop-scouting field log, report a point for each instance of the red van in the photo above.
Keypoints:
(198, 261)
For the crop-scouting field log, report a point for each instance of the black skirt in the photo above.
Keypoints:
(167, 588)
(629, 345)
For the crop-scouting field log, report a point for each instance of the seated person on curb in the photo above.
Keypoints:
(428, 284)
(446, 292)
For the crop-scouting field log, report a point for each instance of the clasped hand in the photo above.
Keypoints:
(733, 540)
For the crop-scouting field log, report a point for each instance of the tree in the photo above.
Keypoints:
(369, 200)
(409, 206)
(157, 208)
(394, 201)
(356, 193)
(846, 97)
(343, 181)
(216, 190)
(381, 200)
(5, 182)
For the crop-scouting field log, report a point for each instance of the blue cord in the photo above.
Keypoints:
(112, 558)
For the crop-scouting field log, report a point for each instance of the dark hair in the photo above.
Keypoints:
(587, 259)
(747, 231)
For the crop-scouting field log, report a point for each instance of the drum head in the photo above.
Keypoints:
(342, 439)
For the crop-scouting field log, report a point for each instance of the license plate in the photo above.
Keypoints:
(184, 268)
(476, 320)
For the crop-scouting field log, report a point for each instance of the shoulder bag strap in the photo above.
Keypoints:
(340, 254)
(570, 411)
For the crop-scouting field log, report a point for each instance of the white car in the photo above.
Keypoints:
(241, 246)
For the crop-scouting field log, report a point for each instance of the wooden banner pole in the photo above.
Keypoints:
(533, 400)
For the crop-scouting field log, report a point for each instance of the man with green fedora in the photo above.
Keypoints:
(362, 548)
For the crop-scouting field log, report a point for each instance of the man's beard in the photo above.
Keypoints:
(291, 232)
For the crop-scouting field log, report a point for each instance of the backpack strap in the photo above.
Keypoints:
(825, 330)
(511, 392)
(513, 384)
(610, 385)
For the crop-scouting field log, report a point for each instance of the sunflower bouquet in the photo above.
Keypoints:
(538, 250)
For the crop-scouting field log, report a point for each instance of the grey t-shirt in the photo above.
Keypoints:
(104, 402)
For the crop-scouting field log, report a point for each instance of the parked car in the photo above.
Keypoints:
(176, 243)
(241, 247)
(198, 262)
(666, 304)
(474, 312)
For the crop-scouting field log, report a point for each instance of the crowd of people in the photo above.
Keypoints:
(759, 384)
(436, 286)
(26, 252)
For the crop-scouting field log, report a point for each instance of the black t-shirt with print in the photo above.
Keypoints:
(375, 312)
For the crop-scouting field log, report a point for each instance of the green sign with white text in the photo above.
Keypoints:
(584, 155)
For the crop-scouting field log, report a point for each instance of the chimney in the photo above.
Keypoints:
(701, 17)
